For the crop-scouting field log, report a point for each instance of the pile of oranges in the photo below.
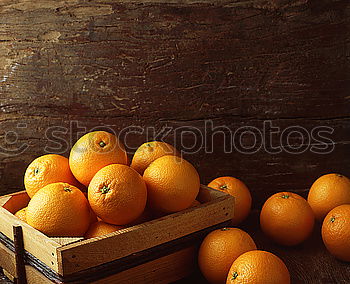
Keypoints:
(230, 254)
(97, 191)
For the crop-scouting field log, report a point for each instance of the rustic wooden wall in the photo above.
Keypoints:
(117, 63)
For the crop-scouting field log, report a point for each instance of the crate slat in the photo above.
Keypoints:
(166, 269)
(7, 260)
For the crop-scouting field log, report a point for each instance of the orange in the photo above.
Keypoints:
(287, 218)
(172, 183)
(59, 210)
(258, 267)
(22, 214)
(220, 249)
(149, 152)
(236, 188)
(328, 192)
(47, 169)
(101, 228)
(92, 152)
(117, 194)
(336, 232)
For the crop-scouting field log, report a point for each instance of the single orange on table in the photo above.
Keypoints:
(220, 249)
(336, 232)
(47, 169)
(92, 152)
(149, 152)
(258, 267)
(287, 218)
(101, 228)
(59, 210)
(328, 192)
(117, 194)
(241, 193)
(22, 214)
(172, 184)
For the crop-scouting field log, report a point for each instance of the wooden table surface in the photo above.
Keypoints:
(308, 263)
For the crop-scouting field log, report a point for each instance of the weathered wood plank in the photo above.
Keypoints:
(169, 269)
(178, 64)
(264, 173)
(166, 269)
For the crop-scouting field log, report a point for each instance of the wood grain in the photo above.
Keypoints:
(7, 260)
(177, 64)
(166, 269)
(19, 255)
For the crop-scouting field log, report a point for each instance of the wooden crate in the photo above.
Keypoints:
(161, 250)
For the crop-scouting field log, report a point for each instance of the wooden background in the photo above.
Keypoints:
(66, 65)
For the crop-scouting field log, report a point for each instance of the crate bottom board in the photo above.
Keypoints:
(166, 269)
